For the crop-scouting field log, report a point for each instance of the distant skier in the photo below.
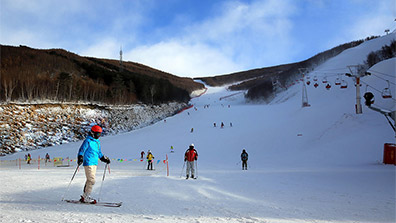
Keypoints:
(29, 158)
(192, 130)
(190, 157)
(88, 155)
(171, 149)
(214, 124)
(222, 125)
(150, 160)
(47, 158)
(244, 158)
(142, 155)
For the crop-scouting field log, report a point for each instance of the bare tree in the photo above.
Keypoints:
(153, 90)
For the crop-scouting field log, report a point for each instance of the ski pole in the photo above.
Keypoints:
(196, 169)
(182, 169)
(68, 187)
(101, 185)
(238, 163)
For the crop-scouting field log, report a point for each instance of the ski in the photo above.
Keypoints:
(105, 204)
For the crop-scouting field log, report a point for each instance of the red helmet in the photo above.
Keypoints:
(96, 128)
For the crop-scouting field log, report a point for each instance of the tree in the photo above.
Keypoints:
(152, 91)
(372, 59)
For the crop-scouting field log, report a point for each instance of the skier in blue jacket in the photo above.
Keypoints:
(88, 155)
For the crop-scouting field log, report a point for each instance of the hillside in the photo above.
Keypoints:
(263, 83)
(58, 75)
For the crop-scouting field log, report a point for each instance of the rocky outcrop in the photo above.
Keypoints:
(27, 127)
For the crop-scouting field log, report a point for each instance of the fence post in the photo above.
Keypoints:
(39, 162)
(167, 166)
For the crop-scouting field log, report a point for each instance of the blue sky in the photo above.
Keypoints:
(192, 38)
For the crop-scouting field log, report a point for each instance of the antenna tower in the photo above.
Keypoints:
(121, 67)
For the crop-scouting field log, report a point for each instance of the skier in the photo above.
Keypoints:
(142, 155)
(190, 156)
(222, 125)
(172, 151)
(150, 161)
(88, 155)
(29, 158)
(244, 158)
(47, 158)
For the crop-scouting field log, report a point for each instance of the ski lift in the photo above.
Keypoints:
(316, 85)
(337, 81)
(308, 82)
(328, 86)
(386, 93)
(324, 80)
(315, 78)
(344, 84)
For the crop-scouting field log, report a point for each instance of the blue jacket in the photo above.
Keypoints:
(90, 150)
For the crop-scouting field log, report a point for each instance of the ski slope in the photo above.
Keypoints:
(321, 163)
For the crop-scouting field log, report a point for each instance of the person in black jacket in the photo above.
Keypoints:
(244, 158)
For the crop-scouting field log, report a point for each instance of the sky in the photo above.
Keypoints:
(194, 38)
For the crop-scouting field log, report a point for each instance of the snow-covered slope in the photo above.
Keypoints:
(316, 164)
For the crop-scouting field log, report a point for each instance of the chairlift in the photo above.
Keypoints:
(316, 85)
(308, 82)
(324, 80)
(386, 93)
(344, 84)
(337, 81)
(328, 86)
(315, 78)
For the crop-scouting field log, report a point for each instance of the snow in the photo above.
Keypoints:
(321, 163)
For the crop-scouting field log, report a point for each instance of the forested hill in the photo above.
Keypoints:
(57, 75)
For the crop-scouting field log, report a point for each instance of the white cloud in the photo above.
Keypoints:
(106, 48)
(183, 59)
(240, 36)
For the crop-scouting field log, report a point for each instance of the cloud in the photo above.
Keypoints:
(238, 36)
(106, 48)
(183, 59)
(374, 22)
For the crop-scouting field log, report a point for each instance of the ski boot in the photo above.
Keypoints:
(87, 199)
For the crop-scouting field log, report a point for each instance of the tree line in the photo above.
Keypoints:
(31, 75)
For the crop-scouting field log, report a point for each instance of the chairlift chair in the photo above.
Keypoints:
(338, 81)
(315, 78)
(328, 86)
(344, 84)
(386, 93)
(316, 85)
(308, 82)
(324, 80)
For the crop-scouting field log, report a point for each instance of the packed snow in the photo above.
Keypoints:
(321, 163)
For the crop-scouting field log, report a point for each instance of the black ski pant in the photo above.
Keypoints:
(150, 165)
(244, 164)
